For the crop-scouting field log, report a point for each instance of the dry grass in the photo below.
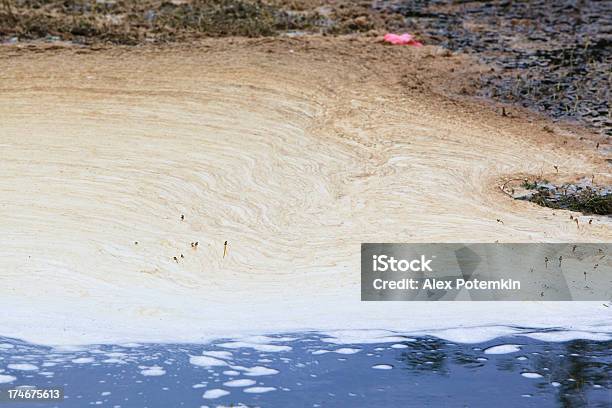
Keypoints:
(137, 21)
(132, 22)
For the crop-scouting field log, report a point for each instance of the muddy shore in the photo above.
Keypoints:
(551, 58)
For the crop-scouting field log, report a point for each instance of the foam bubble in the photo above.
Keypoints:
(503, 349)
(270, 348)
(83, 360)
(259, 390)
(205, 361)
(154, 371)
(399, 346)
(215, 393)
(531, 375)
(383, 366)
(23, 367)
(362, 337)
(344, 350)
(259, 371)
(239, 383)
(218, 354)
(6, 379)
(569, 335)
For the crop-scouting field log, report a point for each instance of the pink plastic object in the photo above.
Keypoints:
(404, 39)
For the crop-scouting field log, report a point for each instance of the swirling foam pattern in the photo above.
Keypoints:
(294, 162)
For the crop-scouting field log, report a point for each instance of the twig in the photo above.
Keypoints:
(503, 186)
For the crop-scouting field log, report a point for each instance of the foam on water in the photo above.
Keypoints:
(531, 375)
(23, 367)
(272, 348)
(239, 383)
(259, 390)
(241, 379)
(205, 361)
(383, 366)
(6, 378)
(218, 354)
(215, 393)
(258, 371)
(567, 335)
(343, 350)
(154, 371)
(503, 349)
(83, 360)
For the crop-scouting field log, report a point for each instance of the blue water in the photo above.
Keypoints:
(420, 372)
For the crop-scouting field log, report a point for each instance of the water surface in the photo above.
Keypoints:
(309, 370)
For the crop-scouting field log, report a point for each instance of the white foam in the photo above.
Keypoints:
(259, 390)
(23, 367)
(382, 367)
(294, 205)
(362, 336)
(259, 371)
(270, 348)
(114, 361)
(239, 383)
(231, 373)
(219, 354)
(6, 346)
(473, 333)
(531, 375)
(215, 393)
(205, 361)
(268, 339)
(6, 378)
(154, 371)
(83, 360)
(347, 350)
(115, 354)
(569, 335)
(503, 349)
(344, 350)
(399, 346)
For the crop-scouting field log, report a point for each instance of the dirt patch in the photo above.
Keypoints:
(582, 196)
(553, 57)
